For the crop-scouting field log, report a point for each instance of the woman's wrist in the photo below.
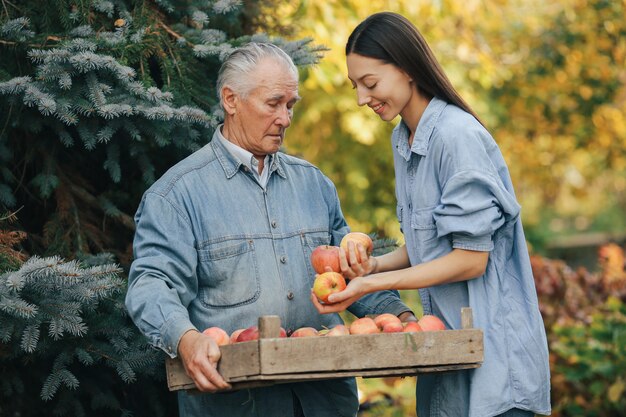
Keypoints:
(374, 270)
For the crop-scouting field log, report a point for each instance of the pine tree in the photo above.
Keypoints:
(97, 99)
(62, 330)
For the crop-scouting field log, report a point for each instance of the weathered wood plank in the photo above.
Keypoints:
(278, 360)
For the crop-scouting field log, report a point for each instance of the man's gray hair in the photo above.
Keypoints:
(236, 69)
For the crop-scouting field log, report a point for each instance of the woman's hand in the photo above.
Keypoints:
(349, 261)
(340, 301)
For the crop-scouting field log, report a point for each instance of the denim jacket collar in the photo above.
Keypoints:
(231, 165)
(423, 133)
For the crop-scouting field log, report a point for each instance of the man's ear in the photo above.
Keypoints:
(229, 100)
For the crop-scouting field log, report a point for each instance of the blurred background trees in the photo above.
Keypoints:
(99, 97)
(548, 78)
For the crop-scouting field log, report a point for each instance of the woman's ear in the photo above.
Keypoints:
(229, 100)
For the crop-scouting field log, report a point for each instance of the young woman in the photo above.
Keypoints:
(465, 244)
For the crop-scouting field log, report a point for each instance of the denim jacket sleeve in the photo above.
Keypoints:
(162, 279)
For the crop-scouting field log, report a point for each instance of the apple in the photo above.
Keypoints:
(323, 256)
(234, 335)
(412, 326)
(358, 238)
(429, 322)
(219, 335)
(251, 333)
(364, 325)
(304, 332)
(393, 327)
(328, 283)
(338, 330)
(385, 318)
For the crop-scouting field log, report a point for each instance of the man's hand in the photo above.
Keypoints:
(200, 354)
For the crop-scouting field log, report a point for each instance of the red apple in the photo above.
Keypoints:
(385, 318)
(364, 325)
(251, 333)
(412, 326)
(338, 330)
(324, 256)
(234, 335)
(219, 335)
(358, 238)
(304, 332)
(429, 322)
(393, 327)
(328, 283)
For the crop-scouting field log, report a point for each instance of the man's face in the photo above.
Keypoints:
(257, 122)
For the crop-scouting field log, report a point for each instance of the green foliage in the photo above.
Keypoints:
(98, 99)
(585, 317)
(68, 346)
(591, 361)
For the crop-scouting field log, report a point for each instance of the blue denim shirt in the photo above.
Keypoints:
(214, 248)
(454, 191)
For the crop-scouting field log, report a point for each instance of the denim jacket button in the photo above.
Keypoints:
(274, 224)
(283, 259)
(290, 295)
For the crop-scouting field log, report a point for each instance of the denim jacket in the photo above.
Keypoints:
(214, 248)
(454, 191)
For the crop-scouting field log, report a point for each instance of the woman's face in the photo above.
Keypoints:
(385, 88)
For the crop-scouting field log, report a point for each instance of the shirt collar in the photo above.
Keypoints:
(423, 132)
(231, 156)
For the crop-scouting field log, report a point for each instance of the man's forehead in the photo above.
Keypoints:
(278, 91)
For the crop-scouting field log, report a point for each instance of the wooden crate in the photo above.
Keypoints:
(272, 360)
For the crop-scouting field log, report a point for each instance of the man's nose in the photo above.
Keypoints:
(284, 117)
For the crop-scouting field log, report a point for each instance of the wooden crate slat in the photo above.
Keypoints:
(354, 352)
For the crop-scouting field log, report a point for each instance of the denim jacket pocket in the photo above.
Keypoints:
(424, 228)
(228, 273)
(311, 240)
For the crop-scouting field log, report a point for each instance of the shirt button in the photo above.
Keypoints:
(283, 259)
(290, 295)
(274, 224)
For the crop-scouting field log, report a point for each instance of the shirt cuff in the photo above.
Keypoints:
(476, 243)
(172, 331)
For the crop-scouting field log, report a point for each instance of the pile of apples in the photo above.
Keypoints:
(383, 323)
(326, 256)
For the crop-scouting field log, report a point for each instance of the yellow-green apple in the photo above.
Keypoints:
(429, 322)
(328, 283)
(304, 332)
(412, 326)
(219, 335)
(364, 325)
(338, 330)
(325, 256)
(234, 335)
(393, 327)
(385, 318)
(358, 238)
(251, 333)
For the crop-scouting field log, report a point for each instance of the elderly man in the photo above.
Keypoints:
(225, 236)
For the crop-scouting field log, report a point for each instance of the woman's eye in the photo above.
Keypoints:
(371, 86)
